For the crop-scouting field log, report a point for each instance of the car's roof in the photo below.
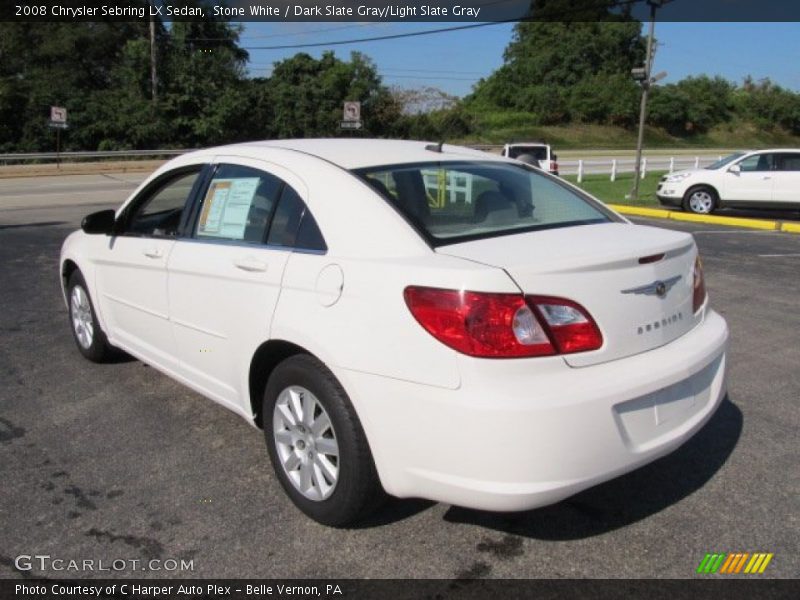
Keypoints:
(362, 152)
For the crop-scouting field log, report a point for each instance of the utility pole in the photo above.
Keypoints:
(645, 82)
(153, 68)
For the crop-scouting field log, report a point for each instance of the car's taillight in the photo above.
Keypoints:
(699, 293)
(503, 325)
(553, 166)
(570, 325)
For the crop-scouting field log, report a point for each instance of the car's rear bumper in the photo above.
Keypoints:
(516, 436)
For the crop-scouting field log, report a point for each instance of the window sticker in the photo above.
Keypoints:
(226, 208)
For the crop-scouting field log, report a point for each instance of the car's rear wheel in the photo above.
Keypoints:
(86, 331)
(700, 200)
(316, 444)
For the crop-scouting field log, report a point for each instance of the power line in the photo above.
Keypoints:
(326, 29)
(269, 67)
(291, 34)
(391, 75)
(617, 4)
(378, 37)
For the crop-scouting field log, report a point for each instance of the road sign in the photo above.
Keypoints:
(55, 125)
(350, 125)
(58, 114)
(352, 112)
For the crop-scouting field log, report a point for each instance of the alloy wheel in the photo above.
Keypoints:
(82, 322)
(306, 443)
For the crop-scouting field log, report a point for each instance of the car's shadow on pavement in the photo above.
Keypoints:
(626, 499)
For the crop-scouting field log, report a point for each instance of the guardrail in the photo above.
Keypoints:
(56, 156)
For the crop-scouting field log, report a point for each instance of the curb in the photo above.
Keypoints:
(658, 213)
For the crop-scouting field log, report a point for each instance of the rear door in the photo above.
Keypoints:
(786, 188)
(225, 278)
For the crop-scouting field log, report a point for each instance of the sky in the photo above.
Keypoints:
(454, 61)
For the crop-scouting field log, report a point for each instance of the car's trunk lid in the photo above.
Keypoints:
(605, 268)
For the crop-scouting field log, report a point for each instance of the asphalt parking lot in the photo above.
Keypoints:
(117, 461)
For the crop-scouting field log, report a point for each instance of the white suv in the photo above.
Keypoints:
(533, 153)
(755, 179)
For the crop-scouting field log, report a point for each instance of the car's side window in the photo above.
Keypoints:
(159, 212)
(789, 161)
(238, 205)
(294, 226)
(757, 162)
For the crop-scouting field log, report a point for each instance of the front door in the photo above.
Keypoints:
(132, 268)
(753, 183)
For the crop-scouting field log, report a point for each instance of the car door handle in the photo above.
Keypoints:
(153, 253)
(250, 264)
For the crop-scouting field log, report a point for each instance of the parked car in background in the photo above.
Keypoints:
(754, 179)
(537, 154)
(419, 319)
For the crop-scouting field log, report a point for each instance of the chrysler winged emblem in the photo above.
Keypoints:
(657, 288)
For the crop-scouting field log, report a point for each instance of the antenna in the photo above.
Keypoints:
(435, 147)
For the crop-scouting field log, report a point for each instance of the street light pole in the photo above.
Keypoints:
(643, 108)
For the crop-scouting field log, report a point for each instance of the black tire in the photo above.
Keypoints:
(99, 350)
(700, 200)
(357, 491)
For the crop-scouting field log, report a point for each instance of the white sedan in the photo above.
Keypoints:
(760, 179)
(405, 318)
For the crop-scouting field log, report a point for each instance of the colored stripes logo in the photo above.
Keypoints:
(738, 562)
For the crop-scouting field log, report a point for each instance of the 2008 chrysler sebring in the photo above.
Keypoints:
(424, 320)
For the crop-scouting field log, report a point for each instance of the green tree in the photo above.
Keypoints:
(62, 64)
(307, 95)
(555, 70)
(768, 105)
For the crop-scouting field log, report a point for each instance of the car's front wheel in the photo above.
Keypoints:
(316, 444)
(89, 337)
(700, 200)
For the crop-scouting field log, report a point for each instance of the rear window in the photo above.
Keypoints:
(538, 152)
(451, 202)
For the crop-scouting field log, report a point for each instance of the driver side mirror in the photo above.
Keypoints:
(101, 222)
(735, 169)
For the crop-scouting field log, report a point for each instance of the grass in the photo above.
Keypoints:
(614, 192)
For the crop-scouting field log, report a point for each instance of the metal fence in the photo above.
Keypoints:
(613, 166)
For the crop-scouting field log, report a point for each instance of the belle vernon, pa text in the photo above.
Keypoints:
(212, 589)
